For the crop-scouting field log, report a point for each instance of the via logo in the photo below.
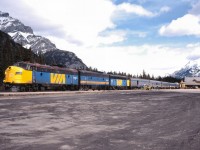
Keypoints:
(57, 78)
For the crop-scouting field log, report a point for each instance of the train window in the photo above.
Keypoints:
(45, 70)
(41, 69)
(50, 70)
(16, 64)
(28, 67)
(33, 68)
(68, 76)
(22, 65)
(38, 69)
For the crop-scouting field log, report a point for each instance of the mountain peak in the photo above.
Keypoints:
(11, 25)
(3, 14)
(191, 69)
(192, 63)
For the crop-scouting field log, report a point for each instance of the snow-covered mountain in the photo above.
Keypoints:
(25, 36)
(191, 69)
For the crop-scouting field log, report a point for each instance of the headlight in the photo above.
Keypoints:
(18, 73)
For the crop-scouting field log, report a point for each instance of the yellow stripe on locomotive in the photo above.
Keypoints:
(94, 83)
(119, 82)
(128, 83)
(17, 75)
(57, 78)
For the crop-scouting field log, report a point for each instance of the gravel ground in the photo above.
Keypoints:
(111, 120)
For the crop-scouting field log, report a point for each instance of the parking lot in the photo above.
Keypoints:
(106, 120)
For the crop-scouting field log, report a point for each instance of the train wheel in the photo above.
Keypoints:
(86, 88)
(64, 88)
(22, 89)
(7, 87)
(81, 88)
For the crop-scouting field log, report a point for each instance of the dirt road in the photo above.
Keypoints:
(121, 120)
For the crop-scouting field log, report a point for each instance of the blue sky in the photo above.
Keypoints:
(151, 25)
(117, 35)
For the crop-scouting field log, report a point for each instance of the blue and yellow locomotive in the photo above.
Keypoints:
(34, 77)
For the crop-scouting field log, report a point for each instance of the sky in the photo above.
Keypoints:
(129, 36)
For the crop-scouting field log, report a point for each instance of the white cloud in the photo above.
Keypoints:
(111, 37)
(136, 9)
(194, 49)
(193, 45)
(133, 59)
(187, 25)
(154, 59)
(165, 9)
(141, 11)
(139, 34)
(80, 20)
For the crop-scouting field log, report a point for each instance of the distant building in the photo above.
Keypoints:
(182, 85)
(192, 82)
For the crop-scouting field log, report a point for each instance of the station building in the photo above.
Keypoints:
(190, 82)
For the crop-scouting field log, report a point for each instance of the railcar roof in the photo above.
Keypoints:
(49, 67)
(85, 72)
(118, 76)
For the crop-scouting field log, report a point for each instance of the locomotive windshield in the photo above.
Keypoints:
(22, 65)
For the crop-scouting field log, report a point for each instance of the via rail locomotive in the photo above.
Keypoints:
(27, 76)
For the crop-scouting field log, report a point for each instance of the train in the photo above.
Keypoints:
(26, 76)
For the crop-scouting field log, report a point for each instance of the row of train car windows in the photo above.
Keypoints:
(94, 78)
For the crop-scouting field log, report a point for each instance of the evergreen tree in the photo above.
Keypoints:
(144, 76)
(152, 77)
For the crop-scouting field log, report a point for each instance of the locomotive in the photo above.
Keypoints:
(27, 76)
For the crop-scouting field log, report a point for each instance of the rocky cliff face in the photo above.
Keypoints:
(24, 35)
(69, 59)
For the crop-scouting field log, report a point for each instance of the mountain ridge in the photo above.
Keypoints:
(191, 69)
(25, 36)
